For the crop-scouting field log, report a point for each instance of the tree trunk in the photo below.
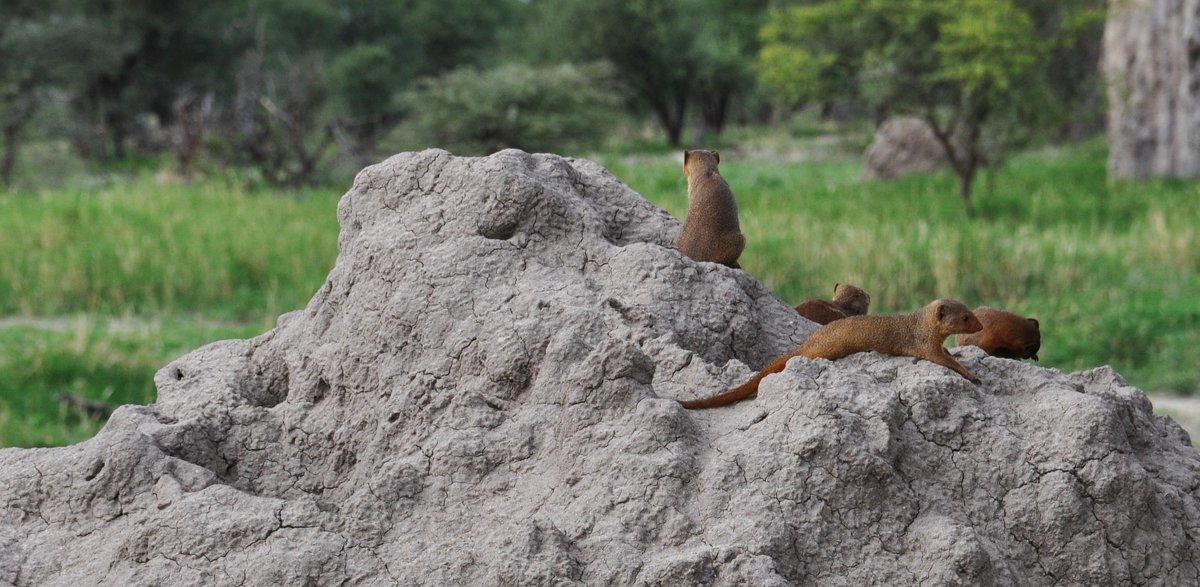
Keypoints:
(699, 133)
(673, 123)
(11, 146)
(964, 159)
(670, 111)
(191, 125)
(1152, 63)
(713, 110)
(966, 177)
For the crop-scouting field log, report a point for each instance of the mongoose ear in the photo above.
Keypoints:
(686, 155)
(1034, 322)
(941, 311)
(717, 154)
(835, 286)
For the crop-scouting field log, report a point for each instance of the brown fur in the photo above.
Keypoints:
(710, 230)
(848, 300)
(919, 335)
(1005, 335)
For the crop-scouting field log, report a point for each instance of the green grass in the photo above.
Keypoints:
(146, 249)
(111, 361)
(176, 257)
(1111, 270)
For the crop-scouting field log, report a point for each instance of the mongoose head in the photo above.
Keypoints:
(852, 298)
(699, 161)
(952, 317)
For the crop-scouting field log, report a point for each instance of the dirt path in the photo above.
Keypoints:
(110, 324)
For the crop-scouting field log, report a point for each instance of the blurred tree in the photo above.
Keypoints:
(534, 108)
(45, 45)
(670, 55)
(1074, 74)
(279, 80)
(725, 47)
(323, 72)
(274, 122)
(364, 92)
(961, 65)
(155, 51)
(650, 43)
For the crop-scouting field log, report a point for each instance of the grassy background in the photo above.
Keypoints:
(109, 283)
(149, 249)
(110, 360)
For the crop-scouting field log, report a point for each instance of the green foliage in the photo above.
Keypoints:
(650, 45)
(973, 69)
(455, 33)
(951, 50)
(44, 46)
(361, 79)
(672, 56)
(987, 46)
(521, 106)
(154, 51)
(273, 84)
(794, 73)
(802, 59)
(332, 74)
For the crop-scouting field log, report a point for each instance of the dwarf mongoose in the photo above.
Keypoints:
(848, 300)
(1004, 335)
(710, 230)
(919, 335)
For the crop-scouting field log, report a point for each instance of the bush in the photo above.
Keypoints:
(516, 105)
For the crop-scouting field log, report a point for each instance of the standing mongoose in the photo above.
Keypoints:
(920, 334)
(710, 230)
(1004, 335)
(848, 300)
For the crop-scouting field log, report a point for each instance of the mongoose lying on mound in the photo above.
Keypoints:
(1004, 335)
(919, 335)
(710, 230)
(848, 300)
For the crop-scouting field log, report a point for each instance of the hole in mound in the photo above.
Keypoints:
(321, 391)
(178, 374)
(269, 385)
(501, 232)
(97, 466)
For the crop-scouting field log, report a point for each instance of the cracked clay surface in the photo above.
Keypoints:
(483, 392)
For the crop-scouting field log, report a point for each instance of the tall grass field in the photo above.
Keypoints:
(99, 288)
